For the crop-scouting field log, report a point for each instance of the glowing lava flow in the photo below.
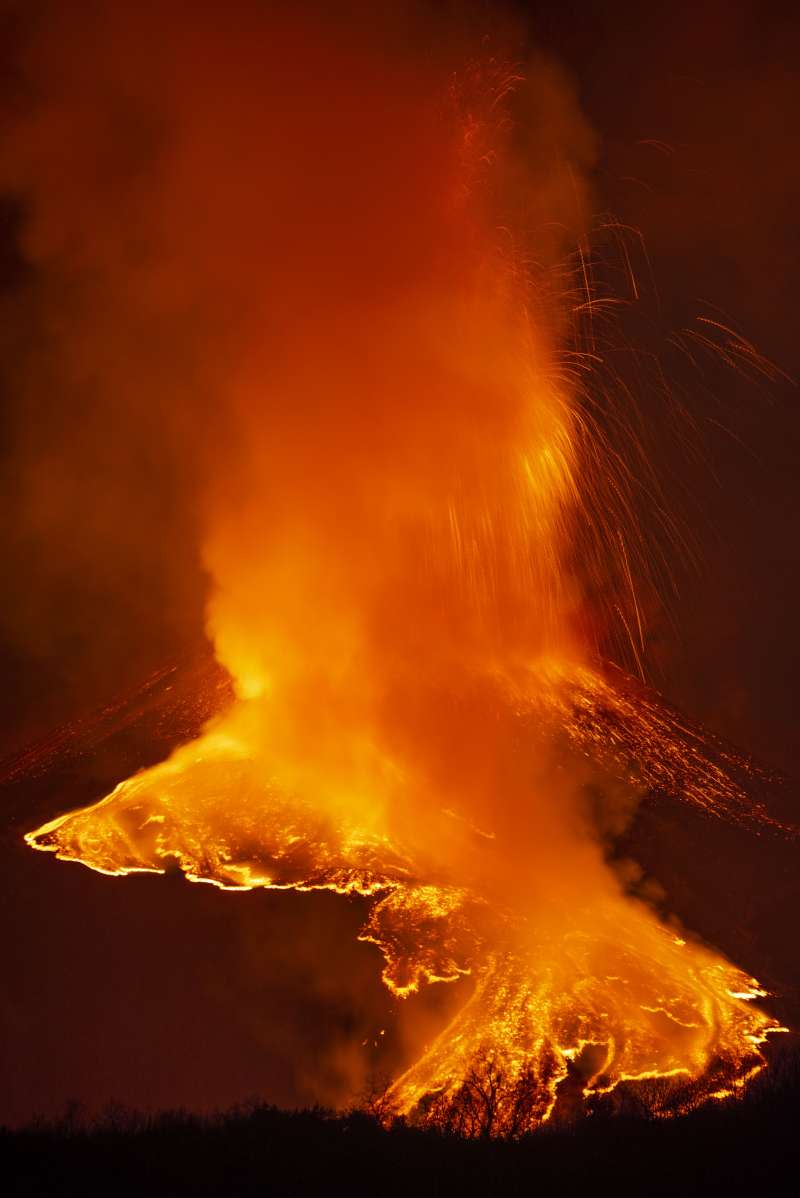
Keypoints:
(569, 973)
(417, 720)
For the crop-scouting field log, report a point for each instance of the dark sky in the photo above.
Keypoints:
(718, 85)
(154, 992)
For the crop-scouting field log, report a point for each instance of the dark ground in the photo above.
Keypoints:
(748, 1147)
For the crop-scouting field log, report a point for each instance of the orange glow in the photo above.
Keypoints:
(392, 546)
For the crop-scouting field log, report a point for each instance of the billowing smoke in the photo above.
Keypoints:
(301, 277)
(242, 239)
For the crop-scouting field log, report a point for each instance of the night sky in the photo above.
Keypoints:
(156, 993)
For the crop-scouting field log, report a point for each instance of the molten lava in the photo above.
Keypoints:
(420, 715)
(566, 967)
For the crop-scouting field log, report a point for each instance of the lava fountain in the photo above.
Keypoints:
(400, 515)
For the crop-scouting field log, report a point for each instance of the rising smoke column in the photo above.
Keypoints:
(344, 238)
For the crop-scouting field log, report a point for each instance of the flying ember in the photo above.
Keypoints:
(412, 524)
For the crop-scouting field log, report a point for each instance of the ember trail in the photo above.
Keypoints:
(411, 473)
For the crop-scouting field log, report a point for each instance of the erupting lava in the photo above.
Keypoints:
(569, 972)
(399, 548)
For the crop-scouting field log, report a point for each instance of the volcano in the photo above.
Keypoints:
(332, 286)
(709, 839)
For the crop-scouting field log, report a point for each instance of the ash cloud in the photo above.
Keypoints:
(241, 235)
(201, 200)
